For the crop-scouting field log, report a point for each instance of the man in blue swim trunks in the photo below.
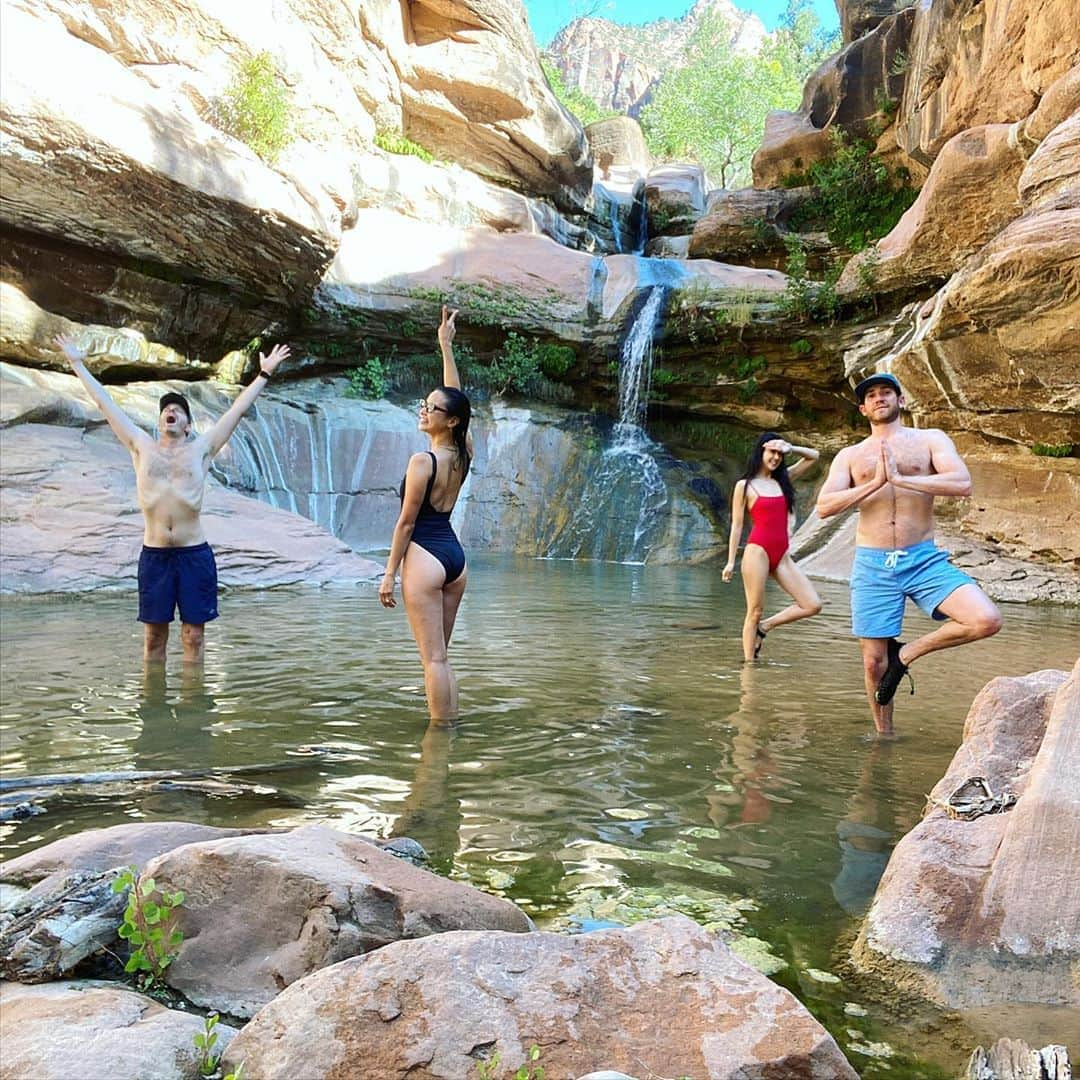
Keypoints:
(892, 478)
(176, 566)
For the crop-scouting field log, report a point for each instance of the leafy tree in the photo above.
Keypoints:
(574, 100)
(712, 110)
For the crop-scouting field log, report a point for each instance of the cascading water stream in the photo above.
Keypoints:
(621, 512)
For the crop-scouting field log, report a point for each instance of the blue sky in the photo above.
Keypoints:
(547, 17)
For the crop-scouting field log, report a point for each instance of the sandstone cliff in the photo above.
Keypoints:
(618, 66)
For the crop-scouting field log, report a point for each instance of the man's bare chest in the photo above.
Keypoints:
(911, 460)
(180, 470)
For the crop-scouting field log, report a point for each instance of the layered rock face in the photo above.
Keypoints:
(977, 912)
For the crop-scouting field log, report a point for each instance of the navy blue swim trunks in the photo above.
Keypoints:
(171, 577)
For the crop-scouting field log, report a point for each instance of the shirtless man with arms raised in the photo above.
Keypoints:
(893, 478)
(176, 566)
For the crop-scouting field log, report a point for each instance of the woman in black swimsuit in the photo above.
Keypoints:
(424, 545)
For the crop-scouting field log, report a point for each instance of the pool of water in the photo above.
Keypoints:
(616, 759)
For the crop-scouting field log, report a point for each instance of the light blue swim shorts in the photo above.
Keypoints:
(882, 579)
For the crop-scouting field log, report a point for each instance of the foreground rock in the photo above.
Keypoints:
(662, 998)
(323, 896)
(97, 1031)
(979, 912)
(1013, 1059)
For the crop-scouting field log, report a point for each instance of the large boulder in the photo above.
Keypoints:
(983, 911)
(661, 998)
(97, 850)
(472, 91)
(619, 141)
(748, 226)
(1060, 102)
(977, 62)
(969, 195)
(675, 198)
(790, 145)
(262, 911)
(98, 1031)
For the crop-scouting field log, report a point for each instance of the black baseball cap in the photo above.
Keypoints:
(879, 377)
(173, 398)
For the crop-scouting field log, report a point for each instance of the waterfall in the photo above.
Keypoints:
(635, 370)
(623, 512)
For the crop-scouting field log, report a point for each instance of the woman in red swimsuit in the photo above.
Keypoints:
(765, 492)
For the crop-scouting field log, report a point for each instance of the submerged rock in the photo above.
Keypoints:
(262, 911)
(662, 998)
(983, 911)
(98, 1031)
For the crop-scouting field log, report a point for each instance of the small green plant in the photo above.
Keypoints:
(256, 108)
(394, 142)
(900, 63)
(148, 927)
(204, 1043)
(886, 104)
(369, 380)
(236, 1074)
(858, 199)
(662, 376)
(801, 347)
(489, 1070)
(748, 390)
(516, 367)
(1055, 450)
(797, 299)
(867, 271)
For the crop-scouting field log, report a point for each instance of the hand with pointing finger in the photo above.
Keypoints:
(447, 329)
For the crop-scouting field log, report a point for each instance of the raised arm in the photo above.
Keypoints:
(447, 330)
(738, 512)
(219, 434)
(840, 492)
(416, 477)
(124, 428)
(807, 454)
(949, 478)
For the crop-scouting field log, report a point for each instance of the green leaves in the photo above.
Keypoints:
(147, 925)
(256, 108)
(204, 1042)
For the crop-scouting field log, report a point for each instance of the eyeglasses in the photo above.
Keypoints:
(427, 407)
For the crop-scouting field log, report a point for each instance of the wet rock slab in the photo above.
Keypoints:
(661, 998)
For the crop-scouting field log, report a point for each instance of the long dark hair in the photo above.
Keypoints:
(780, 474)
(457, 404)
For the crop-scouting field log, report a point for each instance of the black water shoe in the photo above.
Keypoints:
(890, 681)
(760, 641)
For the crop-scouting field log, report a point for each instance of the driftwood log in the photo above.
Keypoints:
(76, 919)
(1013, 1059)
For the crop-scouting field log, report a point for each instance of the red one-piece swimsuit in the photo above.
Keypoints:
(769, 516)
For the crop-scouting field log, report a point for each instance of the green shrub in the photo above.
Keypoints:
(516, 367)
(256, 108)
(369, 380)
(555, 360)
(801, 347)
(574, 100)
(1057, 450)
(804, 298)
(491, 1069)
(148, 927)
(393, 142)
(858, 198)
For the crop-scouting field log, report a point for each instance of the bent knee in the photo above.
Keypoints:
(988, 623)
(813, 608)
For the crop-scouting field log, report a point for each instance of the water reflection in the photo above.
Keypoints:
(431, 813)
(615, 745)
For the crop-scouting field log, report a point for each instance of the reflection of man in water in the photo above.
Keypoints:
(893, 478)
(865, 835)
(176, 566)
(430, 815)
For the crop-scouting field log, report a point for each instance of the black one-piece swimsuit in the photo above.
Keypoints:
(433, 531)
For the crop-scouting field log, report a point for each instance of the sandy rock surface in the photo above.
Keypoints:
(97, 1031)
(661, 998)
